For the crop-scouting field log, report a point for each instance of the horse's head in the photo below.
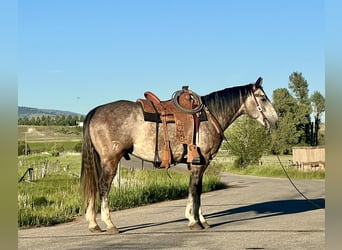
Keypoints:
(259, 107)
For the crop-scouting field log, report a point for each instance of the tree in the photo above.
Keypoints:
(38, 121)
(283, 102)
(318, 103)
(20, 121)
(57, 120)
(43, 120)
(300, 88)
(287, 134)
(247, 141)
(26, 121)
(71, 120)
(32, 121)
(49, 121)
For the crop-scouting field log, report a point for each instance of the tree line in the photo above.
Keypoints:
(298, 125)
(58, 120)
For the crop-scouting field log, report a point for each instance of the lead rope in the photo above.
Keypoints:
(259, 108)
(288, 177)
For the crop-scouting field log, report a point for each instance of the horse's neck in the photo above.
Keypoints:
(228, 116)
(230, 106)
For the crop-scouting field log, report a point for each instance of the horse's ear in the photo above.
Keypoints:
(258, 83)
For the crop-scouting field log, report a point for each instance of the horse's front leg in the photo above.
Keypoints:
(204, 222)
(193, 209)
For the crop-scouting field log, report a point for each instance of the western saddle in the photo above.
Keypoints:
(185, 110)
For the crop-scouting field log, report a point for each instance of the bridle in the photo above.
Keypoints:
(260, 109)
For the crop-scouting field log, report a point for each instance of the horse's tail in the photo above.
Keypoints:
(91, 168)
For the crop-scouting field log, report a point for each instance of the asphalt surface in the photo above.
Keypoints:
(252, 213)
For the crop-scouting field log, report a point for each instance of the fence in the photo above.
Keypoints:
(39, 169)
(309, 158)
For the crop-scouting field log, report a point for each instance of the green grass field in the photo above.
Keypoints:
(49, 133)
(46, 138)
(270, 168)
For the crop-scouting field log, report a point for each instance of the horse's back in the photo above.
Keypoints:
(116, 106)
(111, 126)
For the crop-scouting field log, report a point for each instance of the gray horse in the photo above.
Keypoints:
(117, 129)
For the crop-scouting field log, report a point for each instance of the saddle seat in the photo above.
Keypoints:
(176, 110)
(153, 105)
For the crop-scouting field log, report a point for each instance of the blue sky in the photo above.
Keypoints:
(76, 55)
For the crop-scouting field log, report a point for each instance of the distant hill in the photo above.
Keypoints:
(37, 112)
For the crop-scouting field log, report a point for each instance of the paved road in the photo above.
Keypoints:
(253, 213)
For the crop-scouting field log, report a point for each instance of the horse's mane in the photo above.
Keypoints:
(230, 98)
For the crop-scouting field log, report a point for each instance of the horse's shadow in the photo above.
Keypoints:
(269, 209)
(260, 210)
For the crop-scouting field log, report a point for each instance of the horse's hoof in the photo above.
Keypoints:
(205, 225)
(195, 226)
(95, 229)
(112, 230)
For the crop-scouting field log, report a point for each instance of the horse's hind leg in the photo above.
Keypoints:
(108, 172)
(91, 216)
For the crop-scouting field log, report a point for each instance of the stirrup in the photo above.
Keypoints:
(193, 156)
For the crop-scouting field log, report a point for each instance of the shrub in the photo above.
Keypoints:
(56, 149)
(21, 148)
(78, 147)
(248, 141)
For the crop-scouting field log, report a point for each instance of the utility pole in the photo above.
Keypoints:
(25, 143)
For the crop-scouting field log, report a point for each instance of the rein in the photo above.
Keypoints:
(215, 123)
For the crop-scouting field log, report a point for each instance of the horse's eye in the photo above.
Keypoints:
(263, 98)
